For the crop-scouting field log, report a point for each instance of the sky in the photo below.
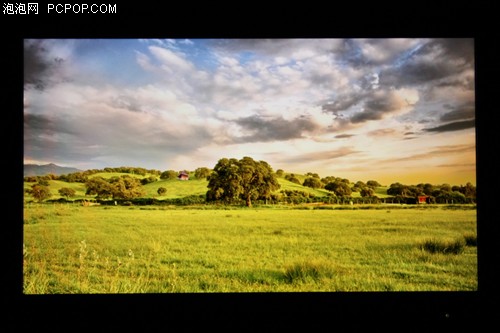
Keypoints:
(391, 110)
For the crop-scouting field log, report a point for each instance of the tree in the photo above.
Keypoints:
(358, 186)
(202, 172)
(280, 172)
(67, 192)
(100, 187)
(340, 188)
(396, 189)
(428, 188)
(445, 187)
(44, 181)
(312, 182)
(124, 187)
(169, 174)
(147, 180)
(367, 192)
(373, 183)
(39, 192)
(243, 179)
(161, 190)
(312, 174)
(328, 179)
(292, 178)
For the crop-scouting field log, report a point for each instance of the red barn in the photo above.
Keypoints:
(422, 199)
(183, 175)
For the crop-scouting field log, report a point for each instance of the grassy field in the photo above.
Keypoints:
(100, 249)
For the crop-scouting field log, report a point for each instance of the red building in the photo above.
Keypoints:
(422, 199)
(183, 175)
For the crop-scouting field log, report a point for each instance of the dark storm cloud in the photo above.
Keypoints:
(452, 48)
(39, 123)
(455, 126)
(462, 112)
(377, 105)
(38, 65)
(351, 54)
(264, 130)
(436, 60)
(343, 102)
(415, 74)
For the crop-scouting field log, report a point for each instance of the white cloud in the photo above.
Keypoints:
(171, 61)
(144, 61)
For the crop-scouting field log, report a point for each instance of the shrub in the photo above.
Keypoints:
(306, 270)
(445, 247)
(470, 239)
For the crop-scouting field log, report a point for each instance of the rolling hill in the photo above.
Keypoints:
(175, 188)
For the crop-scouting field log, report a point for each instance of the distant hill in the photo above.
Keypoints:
(41, 170)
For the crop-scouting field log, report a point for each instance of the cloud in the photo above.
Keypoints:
(171, 61)
(383, 51)
(344, 136)
(126, 124)
(441, 61)
(453, 49)
(457, 165)
(379, 104)
(455, 126)
(321, 155)
(440, 151)
(381, 132)
(291, 48)
(264, 130)
(39, 65)
(344, 102)
(466, 111)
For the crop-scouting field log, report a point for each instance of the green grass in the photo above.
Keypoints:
(74, 249)
(288, 185)
(177, 188)
(56, 185)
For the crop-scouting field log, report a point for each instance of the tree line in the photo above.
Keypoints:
(245, 181)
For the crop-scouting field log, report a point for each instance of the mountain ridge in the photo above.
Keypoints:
(45, 169)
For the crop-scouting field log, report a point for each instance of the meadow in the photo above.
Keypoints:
(72, 249)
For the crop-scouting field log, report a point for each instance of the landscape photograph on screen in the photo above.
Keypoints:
(249, 165)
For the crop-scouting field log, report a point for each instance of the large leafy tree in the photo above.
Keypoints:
(39, 192)
(202, 172)
(398, 189)
(124, 187)
(312, 182)
(67, 192)
(169, 174)
(244, 179)
(340, 188)
(100, 187)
